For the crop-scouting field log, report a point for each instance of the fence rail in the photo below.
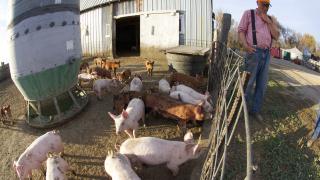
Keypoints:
(226, 82)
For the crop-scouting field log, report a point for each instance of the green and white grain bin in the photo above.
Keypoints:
(45, 50)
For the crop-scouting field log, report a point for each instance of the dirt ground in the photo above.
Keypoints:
(279, 144)
(306, 81)
(89, 135)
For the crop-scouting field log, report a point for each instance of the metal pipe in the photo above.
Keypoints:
(247, 128)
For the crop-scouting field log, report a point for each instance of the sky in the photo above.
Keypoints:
(298, 15)
(301, 16)
(4, 54)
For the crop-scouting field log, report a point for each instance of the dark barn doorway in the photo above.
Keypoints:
(128, 36)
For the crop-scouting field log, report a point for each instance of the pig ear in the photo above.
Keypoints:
(207, 94)
(125, 114)
(113, 117)
(196, 149)
(49, 155)
(202, 103)
(188, 137)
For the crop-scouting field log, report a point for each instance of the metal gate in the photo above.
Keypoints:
(226, 82)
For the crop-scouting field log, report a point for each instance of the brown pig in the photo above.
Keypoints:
(124, 75)
(98, 71)
(6, 114)
(149, 67)
(121, 101)
(193, 82)
(173, 109)
(112, 65)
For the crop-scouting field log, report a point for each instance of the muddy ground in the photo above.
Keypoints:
(89, 135)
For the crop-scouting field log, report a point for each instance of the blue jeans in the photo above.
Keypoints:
(316, 132)
(257, 64)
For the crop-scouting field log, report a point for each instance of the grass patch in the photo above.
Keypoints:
(280, 153)
(286, 161)
(279, 146)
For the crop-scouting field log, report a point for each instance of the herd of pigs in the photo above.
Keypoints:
(178, 97)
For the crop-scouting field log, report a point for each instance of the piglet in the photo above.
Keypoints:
(164, 86)
(149, 66)
(86, 77)
(124, 75)
(155, 151)
(111, 85)
(128, 120)
(57, 167)
(136, 84)
(118, 167)
(36, 153)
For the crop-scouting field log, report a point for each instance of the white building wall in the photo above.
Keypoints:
(159, 31)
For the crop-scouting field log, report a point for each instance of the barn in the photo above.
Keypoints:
(121, 28)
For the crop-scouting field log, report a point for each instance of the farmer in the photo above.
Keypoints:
(256, 39)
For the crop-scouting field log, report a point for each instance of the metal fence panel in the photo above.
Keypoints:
(226, 83)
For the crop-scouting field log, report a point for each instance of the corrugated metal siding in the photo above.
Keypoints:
(198, 21)
(93, 42)
(198, 15)
(125, 7)
(86, 4)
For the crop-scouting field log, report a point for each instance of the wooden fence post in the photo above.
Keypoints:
(218, 51)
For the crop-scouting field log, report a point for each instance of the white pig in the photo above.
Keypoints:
(190, 91)
(36, 153)
(164, 86)
(86, 77)
(118, 167)
(57, 167)
(196, 95)
(136, 84)
(155, 151)
(186, 98)
(111, 85)
(128, 120)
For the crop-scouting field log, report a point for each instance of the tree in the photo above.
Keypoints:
(219, 16)
(318, 49)
(308, 41)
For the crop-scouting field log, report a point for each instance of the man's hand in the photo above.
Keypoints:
(250, 49)
(265, 18)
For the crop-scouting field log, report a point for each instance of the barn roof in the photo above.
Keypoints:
(87, 4)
